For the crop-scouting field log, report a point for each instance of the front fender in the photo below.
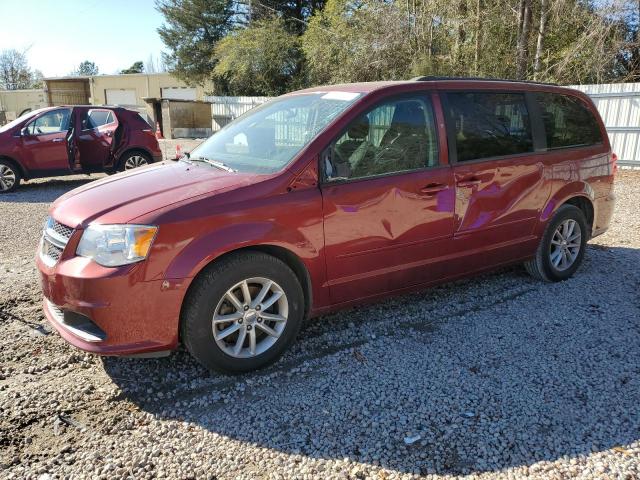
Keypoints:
(205, 249)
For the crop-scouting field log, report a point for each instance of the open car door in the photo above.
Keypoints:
(95, 139)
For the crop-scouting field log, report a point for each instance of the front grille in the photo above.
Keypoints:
(54, 238)
(62, 230)
(51, 251)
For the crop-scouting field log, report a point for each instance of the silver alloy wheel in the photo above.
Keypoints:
(135, 161)
(7, 178)
(565, 244)
(250, 317)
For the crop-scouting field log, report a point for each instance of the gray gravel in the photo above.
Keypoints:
(494, 377)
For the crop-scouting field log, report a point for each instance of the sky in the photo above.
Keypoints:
(59, 34)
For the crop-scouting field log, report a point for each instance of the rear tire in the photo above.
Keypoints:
(134, 159)
(228, 326)
(561, 247)
(9, 176)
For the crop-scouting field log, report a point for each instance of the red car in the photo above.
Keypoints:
(70, 140)
(322, 199)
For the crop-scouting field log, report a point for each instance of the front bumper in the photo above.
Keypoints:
(131, 316)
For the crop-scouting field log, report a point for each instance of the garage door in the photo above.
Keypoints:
(179, 93)
(121, 97)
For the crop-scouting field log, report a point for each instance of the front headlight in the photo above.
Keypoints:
(116, 245)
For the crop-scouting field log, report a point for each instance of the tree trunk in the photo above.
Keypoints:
(542, 31)
(476, 56)
(524, 28)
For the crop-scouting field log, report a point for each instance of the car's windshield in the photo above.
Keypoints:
(266, 139)
(17, 121)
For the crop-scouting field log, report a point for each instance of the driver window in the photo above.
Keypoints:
(55, 121)
(396, 136)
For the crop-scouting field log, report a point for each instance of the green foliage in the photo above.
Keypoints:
(357, 42)
(137, 67)
(263, 59)
(86, 68)
(280, 45)
(191, 30)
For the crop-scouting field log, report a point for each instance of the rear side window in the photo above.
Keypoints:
(567, 121)
(488, 124)
(97, 118)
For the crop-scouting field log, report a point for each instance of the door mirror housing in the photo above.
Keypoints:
(24, 132)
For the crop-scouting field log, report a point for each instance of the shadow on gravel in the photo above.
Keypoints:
(45, 190)
(484, 374)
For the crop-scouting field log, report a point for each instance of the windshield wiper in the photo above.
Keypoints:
(214, 163)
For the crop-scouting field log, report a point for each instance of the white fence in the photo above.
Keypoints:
(225, 109)
(619, 106)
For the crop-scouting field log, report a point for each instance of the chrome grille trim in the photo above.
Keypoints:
(55, 237)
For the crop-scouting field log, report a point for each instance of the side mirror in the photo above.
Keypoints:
(24, 131)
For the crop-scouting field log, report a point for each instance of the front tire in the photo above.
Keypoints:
(562, 246)
(242, 313)
(9, 177)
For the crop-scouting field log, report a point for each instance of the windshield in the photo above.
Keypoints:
(267, 138)
(21, 118)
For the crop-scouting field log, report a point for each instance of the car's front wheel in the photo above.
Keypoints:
(562, 246)
(242, 313)
(9, 177)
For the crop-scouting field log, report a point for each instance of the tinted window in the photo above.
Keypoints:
(54, 121)
(97, 118)
(395, 136)
(489, 124)
(567, 121)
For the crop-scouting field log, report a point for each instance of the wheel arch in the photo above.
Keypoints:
(288, 257)
(578, 194)
(23, 173)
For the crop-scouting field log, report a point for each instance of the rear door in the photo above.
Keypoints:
(498, 175)
(387, 201)
(44, 144)
(96, 129)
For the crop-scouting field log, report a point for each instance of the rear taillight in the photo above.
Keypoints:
(614, 162)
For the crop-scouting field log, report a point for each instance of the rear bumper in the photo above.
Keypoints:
(107, 311)
(603, 213)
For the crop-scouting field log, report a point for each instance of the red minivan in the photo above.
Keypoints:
(69, 140)
(322, 199)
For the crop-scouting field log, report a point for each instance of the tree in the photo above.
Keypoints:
(37, 79)
(263, 59)
(349, 42)
(191, 31)
(154, 65)
(137, 67)
(86, 68)
(15, 73)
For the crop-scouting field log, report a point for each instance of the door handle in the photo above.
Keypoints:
(472, 182)
(56, 140)
(433, 188)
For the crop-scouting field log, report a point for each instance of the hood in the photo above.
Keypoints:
(125, 196)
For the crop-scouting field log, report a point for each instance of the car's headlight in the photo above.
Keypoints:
(116, 245)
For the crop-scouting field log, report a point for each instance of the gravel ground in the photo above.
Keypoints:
(498, 376)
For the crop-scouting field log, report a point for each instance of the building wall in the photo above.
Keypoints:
(145, 86)
(14, 102)
(184, 119)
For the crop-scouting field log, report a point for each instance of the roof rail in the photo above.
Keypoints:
(431, 78)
